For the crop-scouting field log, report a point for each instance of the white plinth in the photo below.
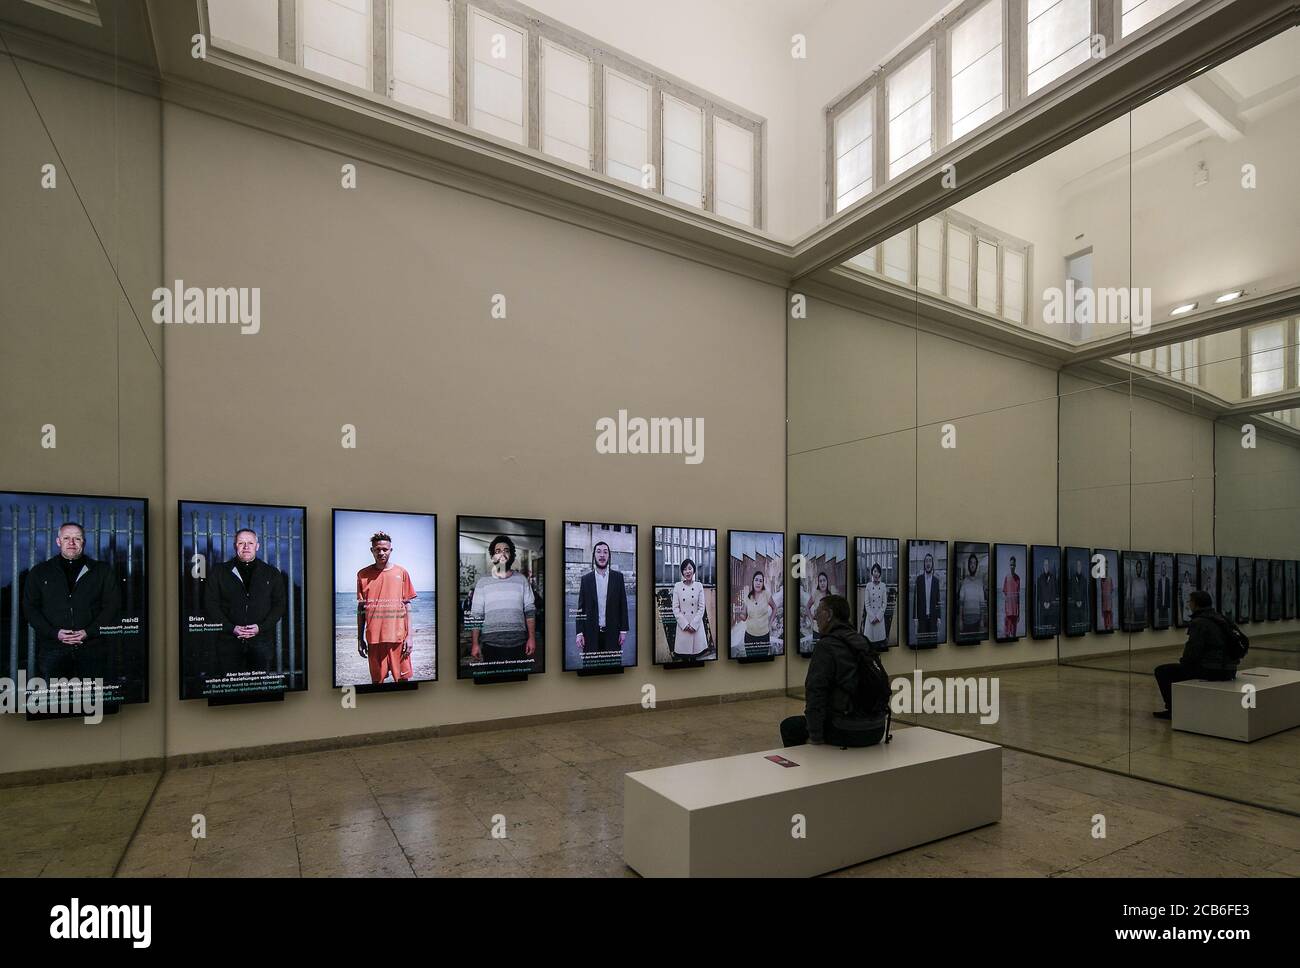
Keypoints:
(1216, 709)
(732, 817)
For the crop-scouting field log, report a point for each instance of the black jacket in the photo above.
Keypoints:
(49, 606)
(588, 617)
(225, 598)
(1209, 642)
(831, 675)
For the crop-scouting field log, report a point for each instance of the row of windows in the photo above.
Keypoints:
(913, 111)
(653, 139)
(951, 256)
(1178, 361)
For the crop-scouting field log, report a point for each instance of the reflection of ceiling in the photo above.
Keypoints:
(1218, 103)
(1274, 62)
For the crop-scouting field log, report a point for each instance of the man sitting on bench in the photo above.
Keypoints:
(846, 693)
(1210, 652)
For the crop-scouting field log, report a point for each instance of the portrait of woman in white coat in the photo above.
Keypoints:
(688, 610)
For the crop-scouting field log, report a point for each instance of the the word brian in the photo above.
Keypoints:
(656, 435)
(213, 305)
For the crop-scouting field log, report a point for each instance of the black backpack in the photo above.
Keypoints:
(869, 693)
(1238, 643)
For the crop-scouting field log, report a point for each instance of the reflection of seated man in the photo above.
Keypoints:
(66, 600)
(503, 611)
(602, 608)
(1208, 654)
(384, 591)
(247, 596)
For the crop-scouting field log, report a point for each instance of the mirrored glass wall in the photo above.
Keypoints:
(1071, 399)
(81, 733)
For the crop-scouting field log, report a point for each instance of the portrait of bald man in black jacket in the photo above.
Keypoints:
(67, 601)
(247, 596)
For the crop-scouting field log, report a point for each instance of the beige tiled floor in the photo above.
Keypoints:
(1099, 715)
(427, 808)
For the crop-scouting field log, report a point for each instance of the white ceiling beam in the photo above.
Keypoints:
(1217, 110)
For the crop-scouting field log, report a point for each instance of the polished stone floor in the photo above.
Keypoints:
(428, 808)
(1099, 715)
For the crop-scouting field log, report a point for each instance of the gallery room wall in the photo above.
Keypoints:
(75, 356)
(869, 398)
(376, 312)
(1257, 511)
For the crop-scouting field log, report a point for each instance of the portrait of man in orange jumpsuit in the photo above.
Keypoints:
(384, 594)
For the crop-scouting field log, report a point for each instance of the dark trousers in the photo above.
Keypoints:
(794, 732)
(496, 653)
(59, 661)
(1171, 672)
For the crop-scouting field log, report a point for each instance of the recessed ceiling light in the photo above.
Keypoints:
(1183, 309)
(1230, 296)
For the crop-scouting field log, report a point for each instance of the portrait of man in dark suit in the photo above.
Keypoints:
(926, 600)
(601, 618)
(247, 596)
(67, 600)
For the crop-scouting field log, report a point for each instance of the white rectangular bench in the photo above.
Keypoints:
(735, 816)
(1217, 708)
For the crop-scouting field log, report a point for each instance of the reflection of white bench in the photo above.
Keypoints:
(736, 816)
(1218, 708)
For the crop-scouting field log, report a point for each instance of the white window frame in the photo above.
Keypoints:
(389, 80)
(299, 56)
(470, 10)
(541, 101)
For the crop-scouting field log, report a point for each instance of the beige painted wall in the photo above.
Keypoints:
(75, 356)
(376, 313)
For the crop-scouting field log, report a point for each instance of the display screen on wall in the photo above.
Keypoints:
(1078, 591)
(877, 601)
(1245, 590)
(500, 597)
(385, 597)
(1136, 590)
(599, 595)
(1184, 585)
(1288, 601)
(686, 594)
(1260, 603)
(1162, 590)
(927, 603)
(1047, 591)
(74, 598)
(825, 563)
(1276, 589)
(1227, 597)
(757, 590)
(243, 599)
(1010, 591)
(1207, 568)
(970, 592)
(1105, 591)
